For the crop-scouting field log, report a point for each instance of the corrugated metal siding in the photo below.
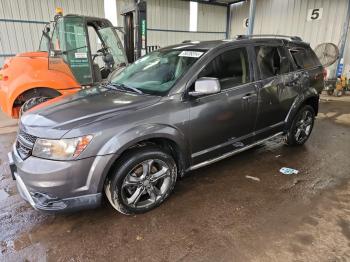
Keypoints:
(121, 5)
(16, 37)
(288, 17)
(212, 18)
(175, 15)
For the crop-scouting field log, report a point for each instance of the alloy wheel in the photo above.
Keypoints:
(303, 126)
(146, 183)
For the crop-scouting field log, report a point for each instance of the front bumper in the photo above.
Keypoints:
(56, 186)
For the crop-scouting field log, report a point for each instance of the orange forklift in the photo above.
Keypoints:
(75, 52)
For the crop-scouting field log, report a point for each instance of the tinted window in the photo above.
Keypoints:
(272, 60)
(230, 67)
(304, 58)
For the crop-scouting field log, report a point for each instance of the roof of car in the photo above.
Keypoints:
(207, 45)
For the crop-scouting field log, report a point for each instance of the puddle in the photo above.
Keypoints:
(3, 194)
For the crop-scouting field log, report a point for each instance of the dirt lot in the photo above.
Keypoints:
(215, 213)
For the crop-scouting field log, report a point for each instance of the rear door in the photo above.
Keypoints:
(306, 61)
(275, 97)
(224, 122)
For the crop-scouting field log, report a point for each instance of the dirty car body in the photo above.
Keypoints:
(175, 110)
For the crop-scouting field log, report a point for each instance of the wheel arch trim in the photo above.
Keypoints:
(119, 144)
(298, 103)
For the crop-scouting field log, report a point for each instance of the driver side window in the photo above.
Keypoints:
(231, 68)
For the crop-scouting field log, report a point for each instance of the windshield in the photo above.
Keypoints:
(112, 42)
(157, 72)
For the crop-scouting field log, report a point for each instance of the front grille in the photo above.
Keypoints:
(27, 137)
(24, 144)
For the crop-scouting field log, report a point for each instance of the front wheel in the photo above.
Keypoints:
(31, 102)
(301, 127)
(142, 180)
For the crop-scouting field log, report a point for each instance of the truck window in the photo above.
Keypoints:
(230, 67)
(272, 61)
(304, 58)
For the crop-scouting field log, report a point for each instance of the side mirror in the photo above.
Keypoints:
(205, 86)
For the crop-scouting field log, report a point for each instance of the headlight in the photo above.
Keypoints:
(63, 149)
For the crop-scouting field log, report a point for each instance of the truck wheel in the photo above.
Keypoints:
(31, 102)
(301, 127)
(141, 181)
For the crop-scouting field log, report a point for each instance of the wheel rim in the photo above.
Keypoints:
(146, 183)
(303, 126)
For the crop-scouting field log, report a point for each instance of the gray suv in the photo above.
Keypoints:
(172, 111)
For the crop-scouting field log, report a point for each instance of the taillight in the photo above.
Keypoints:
(325, 73)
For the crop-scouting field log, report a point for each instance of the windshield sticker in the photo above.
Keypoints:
(80, 55)
(195, 54)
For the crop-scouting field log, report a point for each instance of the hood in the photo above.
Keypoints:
(34, 54)
(58, 116)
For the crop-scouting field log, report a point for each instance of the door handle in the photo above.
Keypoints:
(248, 96)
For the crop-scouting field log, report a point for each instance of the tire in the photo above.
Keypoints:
(32, 102)
(134, 186)
(301, 127)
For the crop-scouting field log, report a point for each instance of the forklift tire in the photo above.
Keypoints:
(32, 102)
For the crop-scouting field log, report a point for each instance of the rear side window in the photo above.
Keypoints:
(230, 67)
(304, 58)
(272, 61)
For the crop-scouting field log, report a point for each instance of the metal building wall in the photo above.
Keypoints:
(21, 21)
(289, 17)
(121, 6)
(168, 22)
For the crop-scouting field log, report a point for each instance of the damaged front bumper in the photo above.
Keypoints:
(58, 187)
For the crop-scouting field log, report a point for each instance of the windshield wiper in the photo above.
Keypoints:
(123, 87)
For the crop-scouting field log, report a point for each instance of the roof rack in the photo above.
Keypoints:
(293, 38)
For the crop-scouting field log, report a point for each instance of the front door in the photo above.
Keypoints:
(224, 122)
(69, 51)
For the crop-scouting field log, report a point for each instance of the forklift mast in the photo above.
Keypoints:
(135, 30)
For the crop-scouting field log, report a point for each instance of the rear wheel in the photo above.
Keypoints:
(31, 102)
(301, 127)
(142, 180)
